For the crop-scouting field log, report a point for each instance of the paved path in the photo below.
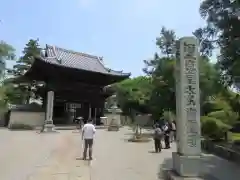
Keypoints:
(21, 151)
(31, 156)
(118, 159)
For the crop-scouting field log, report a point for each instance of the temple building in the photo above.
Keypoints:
(74, 84)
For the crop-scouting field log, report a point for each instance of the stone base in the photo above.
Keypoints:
(172, 175)
(48, 128)
(186, 166)
(113, 128)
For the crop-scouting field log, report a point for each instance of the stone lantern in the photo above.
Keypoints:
(113, 112)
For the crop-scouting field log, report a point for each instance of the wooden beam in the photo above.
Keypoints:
(73, 86)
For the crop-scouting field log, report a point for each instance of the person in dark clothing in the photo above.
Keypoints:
(158, 133)
(167, 131)
(174, 130)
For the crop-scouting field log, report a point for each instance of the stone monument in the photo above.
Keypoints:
(186, 161)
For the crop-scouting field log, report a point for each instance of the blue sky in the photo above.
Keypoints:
(122, 31)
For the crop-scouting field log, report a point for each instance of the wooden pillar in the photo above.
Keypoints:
(102, 106)
(95, 115)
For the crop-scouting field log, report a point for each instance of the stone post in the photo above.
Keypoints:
(48, 124)
(186, 161)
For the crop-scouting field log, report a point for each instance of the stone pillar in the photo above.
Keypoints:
(186, 161)
(48, 124)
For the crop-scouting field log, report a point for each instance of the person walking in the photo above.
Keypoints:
(166, 130)
(172, 129)
(88, 132)
(158, 133)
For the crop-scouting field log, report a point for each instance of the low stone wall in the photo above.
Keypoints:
(33, 119)
(26, 115)
(221, 151)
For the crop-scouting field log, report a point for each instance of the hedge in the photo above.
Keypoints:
(227, 117)
(213, 128)
(215, 105)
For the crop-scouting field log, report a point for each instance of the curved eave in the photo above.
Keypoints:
(108, 72)
(41, 70)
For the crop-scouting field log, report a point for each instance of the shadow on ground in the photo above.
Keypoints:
(152, 152)
(212, 168)
(145, 134)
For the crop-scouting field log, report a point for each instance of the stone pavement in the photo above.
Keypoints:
(64, 162)
(21, 151)
(116, 159)
(30, 156)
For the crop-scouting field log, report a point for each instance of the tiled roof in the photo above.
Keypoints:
(71, 59)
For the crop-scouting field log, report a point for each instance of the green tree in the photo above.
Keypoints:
(166, 43)
(163, 93)
(162, 70)
(7, 52)
(31, 50)
(222, 31)
(13, 95)
(134, 94)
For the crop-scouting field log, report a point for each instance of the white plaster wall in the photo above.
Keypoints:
(33, 119)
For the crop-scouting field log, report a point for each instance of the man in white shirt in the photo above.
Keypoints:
(88, 132)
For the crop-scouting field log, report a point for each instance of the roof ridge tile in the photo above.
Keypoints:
(72, 51)
(73, 59)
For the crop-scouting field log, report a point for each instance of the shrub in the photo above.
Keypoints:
(215, 105)
(227, 117)
(213, 128)
(168, 115)
(20, 127)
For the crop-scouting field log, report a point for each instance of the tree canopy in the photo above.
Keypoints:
(7, 52)
(23, 92)
(222, 31)
(160, 76)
